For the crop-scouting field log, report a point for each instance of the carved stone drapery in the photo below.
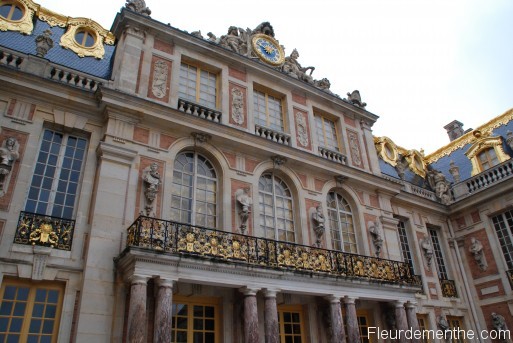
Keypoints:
(427, 249)
(439, 185)
(151, 179)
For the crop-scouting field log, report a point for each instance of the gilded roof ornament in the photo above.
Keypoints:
(52, 18)
(138, 6)
(78, 27)
(19, 17)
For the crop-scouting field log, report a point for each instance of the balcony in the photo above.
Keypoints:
(331, 155)
(509, 273)
(163, 236)
(272, 135)
(42, 230)
(448, 288)
(196, 110)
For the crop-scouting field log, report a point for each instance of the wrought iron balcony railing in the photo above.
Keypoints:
(43, 230)
(448, 288)
(183, 239)
(509, 273)
(191, 108)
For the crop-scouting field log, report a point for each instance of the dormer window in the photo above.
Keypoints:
(486, 153)
(11, 11)
(85, 38)
(487, 158)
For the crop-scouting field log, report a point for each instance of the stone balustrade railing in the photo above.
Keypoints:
(331, 155)
(10, 59)
(191, 108)
(272, 135)
(163, 236)
(73, 79)
(422, 192)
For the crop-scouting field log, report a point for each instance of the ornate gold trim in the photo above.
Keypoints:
(483, 144)
(25, 24)
(467, 138)
(102, 36)
(387, 150)
(416, 162)
(262, 56)
(52, 18)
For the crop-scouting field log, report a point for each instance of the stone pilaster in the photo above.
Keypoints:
(137, 310)
(401, 322)
(353, 332)
(271, 318)
(163, 311)
(411, 317)
(250, 316)
(337, 334)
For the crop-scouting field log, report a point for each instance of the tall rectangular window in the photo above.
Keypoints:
(55, 183)
(198, 85)
(326, 133)
(268, 111)
(437, 250)
(405, 247)
(503, 224)
(422, 319)
(195, 321)
(30, 311)
(290, 322)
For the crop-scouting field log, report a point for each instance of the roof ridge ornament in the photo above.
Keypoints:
(138, 6)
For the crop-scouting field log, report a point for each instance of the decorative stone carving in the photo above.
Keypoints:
(151, 179)
(324, 84)
(293, 68)
(442, 323)
(355, 148)
(233, 41)
(278, 161)
(318, 224)
(509, 139)
(244, 203)
(437, 181)
(160, 74)
(138, 6)
(44, 43)
(39, 263)
(476, 249)
(8, 155)
(401, 167)
(455, 172)
(197, 34)
(237, 106)
(499, 324)
(200, 137)
(265, 28)
(376, 235)
(302, 131)
(427, 248)
(355, 99)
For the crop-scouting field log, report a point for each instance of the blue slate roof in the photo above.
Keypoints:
(17, 41)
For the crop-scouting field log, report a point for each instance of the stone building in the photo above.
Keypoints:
(162, 186)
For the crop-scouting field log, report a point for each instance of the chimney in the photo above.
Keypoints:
(454, 129)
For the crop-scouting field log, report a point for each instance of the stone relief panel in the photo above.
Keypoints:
(238, 111)
(302, 129)
(354, 147)
(160, 77)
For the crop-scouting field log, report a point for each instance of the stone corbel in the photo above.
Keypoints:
(39, 263)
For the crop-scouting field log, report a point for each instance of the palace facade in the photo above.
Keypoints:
(161, 186)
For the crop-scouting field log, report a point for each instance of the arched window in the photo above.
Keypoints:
(276, 215)
(194, 193)
(341, 223)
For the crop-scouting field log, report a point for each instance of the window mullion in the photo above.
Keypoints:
(193, 193)
(198, 84)
(57, 175)
(275, 219)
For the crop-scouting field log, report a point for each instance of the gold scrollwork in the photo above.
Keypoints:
(52, 18)
(101, 36)
(416, 162)
(24, 24)
(484, 143)
(44, 235)
(387, 150)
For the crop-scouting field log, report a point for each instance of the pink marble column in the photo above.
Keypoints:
(250, 316)
(411, 317)
(353, 331)
(163, 311)
(137, 310)
(337, 334)
(400, 321)
(271, 318)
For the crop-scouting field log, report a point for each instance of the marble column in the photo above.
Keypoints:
(337, 334)
(137, 310)
(353, 331)
(400, 321)
(272, 334)
(413, 323)
(163, 311)
(250, 316)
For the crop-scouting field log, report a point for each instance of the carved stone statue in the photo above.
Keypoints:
(264, 28)
(8, 154)
(401, 167)
(377, 235)
(244, 203)
(232, 40)
(151, 179)
(476, 249)
(442, 323)
(428, 251)
(455, 172)
(293, 68)
(499, 324)
(318, 224)
(138, 6)
(324, 84)
(355, 99)
(437, 181)
(197, 34)
(44, 43)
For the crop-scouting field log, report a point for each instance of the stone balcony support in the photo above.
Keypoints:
(353, 331)
(337, 334)
(271, 318)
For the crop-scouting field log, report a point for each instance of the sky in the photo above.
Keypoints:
(418, 64)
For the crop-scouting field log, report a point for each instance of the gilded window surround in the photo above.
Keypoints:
(25, 24)
(482, 144)
(101, 36)
(387, 150)
(416, 162)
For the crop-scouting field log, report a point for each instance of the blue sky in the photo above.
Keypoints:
(418, 64)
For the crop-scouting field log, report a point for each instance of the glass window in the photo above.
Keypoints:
(503, 224)
(11, 11)
(268, 111)
(487, 159)
(276, 214)
(55, 183)
(437, 249)
(405, 246)
(29, 312)
(194, 190)
(85, 38)
(456, 325)
(198, 85)
(422, 319)
(194, 322)
(341, 224)
(290, 323)
(326, 133)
